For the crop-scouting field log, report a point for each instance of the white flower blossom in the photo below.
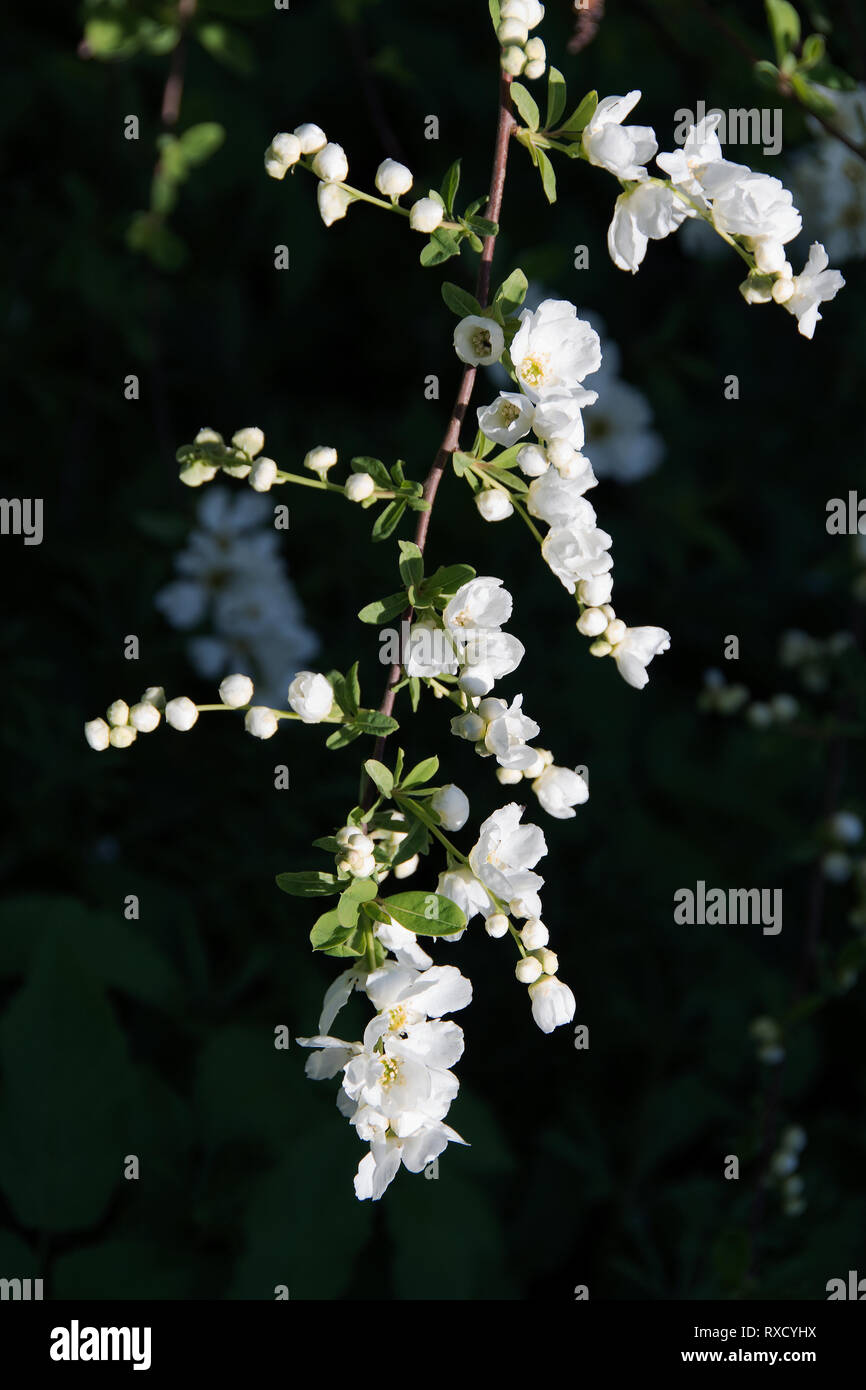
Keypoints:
(813, 286)
(650, 211)
(507, 730)
(311, 695)
(494, 504)
(467, 892)
(553, 348)
(507, 419)
(478, 341)
(559, 501)
(685, 167)
(636, 650)
(622, 150)
(574, 552)
(553, 1003)
(559, 790)
(504, 857)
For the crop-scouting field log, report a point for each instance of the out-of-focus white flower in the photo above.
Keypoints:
(622, 150)
(845, 827)
(636, 650)
(426, 215)
(451, 806)
(236, 691)
(181, 713)
(553, 1003)
(393, 179)
(494, 504)
(507, 419)
(311, 695)
(261, 722)
(553, 348)
(478, 341)
(559, 790)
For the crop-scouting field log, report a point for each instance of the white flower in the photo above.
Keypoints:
(507, 419)
(596, 591)
(478, 341)
(250, 440)
(380, 1166)
(513, 60)
(311, 695)
(529, 12)
(534, 934)
(333, 200)
(312, 138)
(496, 925)
(559, 415)
(559, 501)
(403, 944)
(494, 504)
(426, 215)
(236, 691)
(429, 650)
(154, 695)
(467, 892)
(846, 827)
(320, 459)
(685, 167)
(331, 164)
(451, 806)
(752, 205)
(96, 732)
(261, 722)
(117, 713)
(505, 854)
(486, 657)
(592, 622)
(813, 286)
(528, 970)
(636, 650)
(359, 487)
(483, 602)
(181, 713)
(619, 433)
(468, 726)
(393, 179)
(553, 1003)
(649, 212)
(144, 717)
(559, 790)
(410, 996)
(623, 150)
(286, 149)
(574, 552)
(532, 461)
(553, 348)
(507, 730)
(263, 475)
(536, 59)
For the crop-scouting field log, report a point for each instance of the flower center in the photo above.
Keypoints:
(397, 1018)
(533, 370)
(481, 344)
(508, 412)
(390, 1070)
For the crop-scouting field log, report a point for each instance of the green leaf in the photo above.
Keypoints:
(495, 12)
(414, 693)
(450, 185)
(309, 884)
(811, 98)
(352, 690)
(328, 931)
(370, 721)
(381, 609)
(417, 841)
(422, 772)
(460, 302)
(411, 563)
(329, 843)
(463, 463)
(447, 580)
(814, 49)
(201, 141)
(483, 225)
(388, 520)
(426, 914)
(360, 890)
(548, 176)
(581, 117)
(784, 26)
(340, 737)
(443, 244)
(227, 45)
(556, 97)
(380, 775)
(375, 467)
(512, 292)
(526, 105)
(767, 74)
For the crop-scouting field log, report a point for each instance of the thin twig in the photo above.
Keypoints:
(590, 13)
(173, 94)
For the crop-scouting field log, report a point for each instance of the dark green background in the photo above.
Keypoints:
(155, 1038)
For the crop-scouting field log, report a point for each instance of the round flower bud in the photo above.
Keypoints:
(261, 722)
(311, 695)
(591, 622)
(496, 925)
(97, 733)
(274, 168)
(331, 164)
(493, 504)
(359, 863)
(426, 215)
(535, 68)
(515, 9)
(534, 934)
(208, 436)
(845, 827)
(393, 179)
(118, 713)
(553, 1003)
(793, 1186)
(236, 691)
(528, 970)
(333, 202)
(286, 148)
(361, 842)
(513, 60)
(181, 713)
(122, 736)
(263, 475)
(535, 51)
(478, 341)
(596, 591)
(154, 695)
(320, 459)
(250, 441)
(532, 461)
(549, 961)
(144, 717)
(534, 13)
(600, 647)
(615, 632)
(560, 453)
(607, 611)
(451, 806)
(194, 474)
(543, 759)
(512, 31)
(344, 835)
(759, 715)
(508, 776)
(359, 487)
(783, 1163)
(836, 866)
(407, 868)
(469, 726)
(784, 707)
(312, 138)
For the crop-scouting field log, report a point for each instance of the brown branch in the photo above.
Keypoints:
(590, 13)
(505, 126)
(173, 94)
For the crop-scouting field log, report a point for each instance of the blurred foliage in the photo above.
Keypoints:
(155, 1037)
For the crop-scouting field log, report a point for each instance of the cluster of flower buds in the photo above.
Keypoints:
(841, 832)
(521, 55)
(783, 1170)
(123, 724)
(371, 854)
(721, 697)
(209, 454)
(310, 147)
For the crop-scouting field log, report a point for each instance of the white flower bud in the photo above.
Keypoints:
(331, 164)
(515, 9)
(600, 647)
(468, 726)
(359, 487)
(549, 961)
(451, 806)
(345, 835)
(154, 695)
(250, 441)
(236, 691)
(263, 475)
(320, 459)
(845, 827)
(311, 695)
(181, 713)
(144, 717)
(361, 842)
(311, 137)
(493, 504)
(532, 461)
(597, 591)
(535, 68)
(122, 736)
(358, 863)
(528, 970)
(274, 168)
(96, 732)
(512, 31)
(261, 722)
(286, 148)
(783, 289)
(615, 631)
(426, 215)
(553, 1003)
(407, 868)
(393, 179)
(535, 50)
(543, 759)
(118, 713)
(836, 866)
(194, 474)
(508, 776)
(333, 202)
(513, 60)
(208, 436)
(534, 934)
(591, 622)
(496, 925)
(607, 611)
